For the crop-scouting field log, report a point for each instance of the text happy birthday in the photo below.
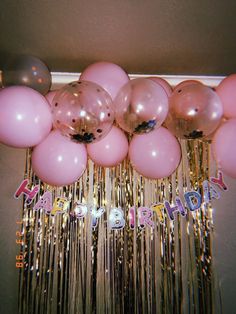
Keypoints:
(116, 219)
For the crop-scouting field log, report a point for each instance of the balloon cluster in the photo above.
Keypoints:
(77, 120)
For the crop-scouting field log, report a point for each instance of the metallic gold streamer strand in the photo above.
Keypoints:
(69, 267)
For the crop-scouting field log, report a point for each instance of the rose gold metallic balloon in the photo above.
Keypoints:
(195, 111)
(186, 83)
(209, 137)
(141, 106)
(163, 83)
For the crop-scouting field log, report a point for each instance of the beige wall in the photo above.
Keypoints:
(225, 245)
(11, 174)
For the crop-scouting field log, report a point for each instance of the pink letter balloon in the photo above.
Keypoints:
(224, 148)
(25, 117)
(163, 83)
(59, 161)
(155, 155)
(141, 106)
(83, 111)
(111, 150)
(195, 111)
(227, 93)
(108, 75)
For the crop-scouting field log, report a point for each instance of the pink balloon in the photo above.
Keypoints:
(163, 83)
(50, 95)
(186, 83)
(25, 117)
(111, 150)
(155, 155)
(108, 75)
(224, 148)
(227, 93)
(59, 161)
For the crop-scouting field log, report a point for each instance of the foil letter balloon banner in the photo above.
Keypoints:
(156, 154)
(141, 106)
(79, 210)
(25, 117)
(108, 75)
(29, 71)
(83, 111)
(58, 161)
(224, 148)
(195, 111)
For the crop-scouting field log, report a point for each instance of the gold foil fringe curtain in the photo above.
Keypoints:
(71, 268)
